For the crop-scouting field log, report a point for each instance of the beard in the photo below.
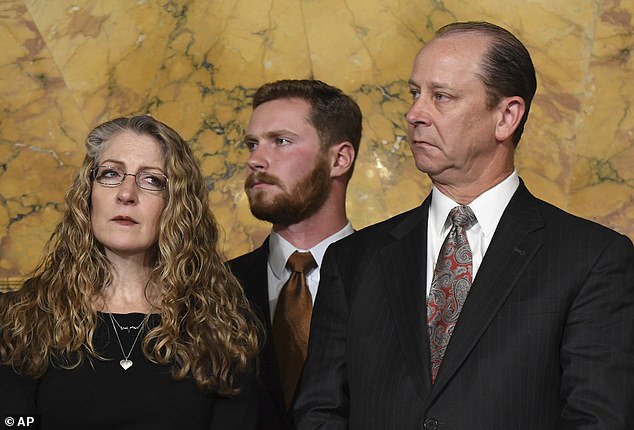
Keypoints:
(298, 204)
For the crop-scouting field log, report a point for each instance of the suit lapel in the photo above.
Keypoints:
(507, 256)
(275, 381)
(404, 266)
(252, 271)
(255, 278)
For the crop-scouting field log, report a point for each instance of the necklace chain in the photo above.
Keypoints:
(126, 363)
(127, 327)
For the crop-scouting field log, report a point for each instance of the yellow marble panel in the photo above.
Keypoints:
(67, 65)
(40, 141)
(605, 132)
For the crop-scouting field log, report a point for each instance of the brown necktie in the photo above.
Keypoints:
(291, 323)
(450, 284)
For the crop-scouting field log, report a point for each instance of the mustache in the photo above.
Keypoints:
(260, 177)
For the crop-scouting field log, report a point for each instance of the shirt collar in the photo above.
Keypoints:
(487, 207)
(280, 249)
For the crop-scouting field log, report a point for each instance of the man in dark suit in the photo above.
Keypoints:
(303, 137)
(526, 322)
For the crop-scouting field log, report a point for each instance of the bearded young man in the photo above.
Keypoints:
(303, 138)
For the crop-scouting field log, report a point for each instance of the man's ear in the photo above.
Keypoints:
(341, 157)
(511, 110)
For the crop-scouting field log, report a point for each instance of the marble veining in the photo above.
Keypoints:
(67, 65)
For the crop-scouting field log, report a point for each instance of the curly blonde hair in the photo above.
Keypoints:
(207, 330)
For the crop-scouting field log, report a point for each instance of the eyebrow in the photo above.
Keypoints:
(121, 163)
(270, 134)
(437, 85)
(433, 85)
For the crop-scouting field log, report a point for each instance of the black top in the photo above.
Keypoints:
(100, 394)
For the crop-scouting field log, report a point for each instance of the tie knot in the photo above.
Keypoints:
(302, 262)
(462, 216)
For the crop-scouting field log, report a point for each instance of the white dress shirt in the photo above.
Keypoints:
(279, 251)
(487, 207)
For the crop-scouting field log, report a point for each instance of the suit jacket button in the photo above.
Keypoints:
(430, 424)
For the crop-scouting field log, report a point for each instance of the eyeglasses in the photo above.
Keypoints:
(111, 176)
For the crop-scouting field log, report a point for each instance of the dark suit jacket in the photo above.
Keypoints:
(251, 271)
(545, 339)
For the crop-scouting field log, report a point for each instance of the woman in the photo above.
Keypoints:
(131, 320)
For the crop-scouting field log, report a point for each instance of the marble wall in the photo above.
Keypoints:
(67, 65)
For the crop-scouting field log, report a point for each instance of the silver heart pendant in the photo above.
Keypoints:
(126, 364)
